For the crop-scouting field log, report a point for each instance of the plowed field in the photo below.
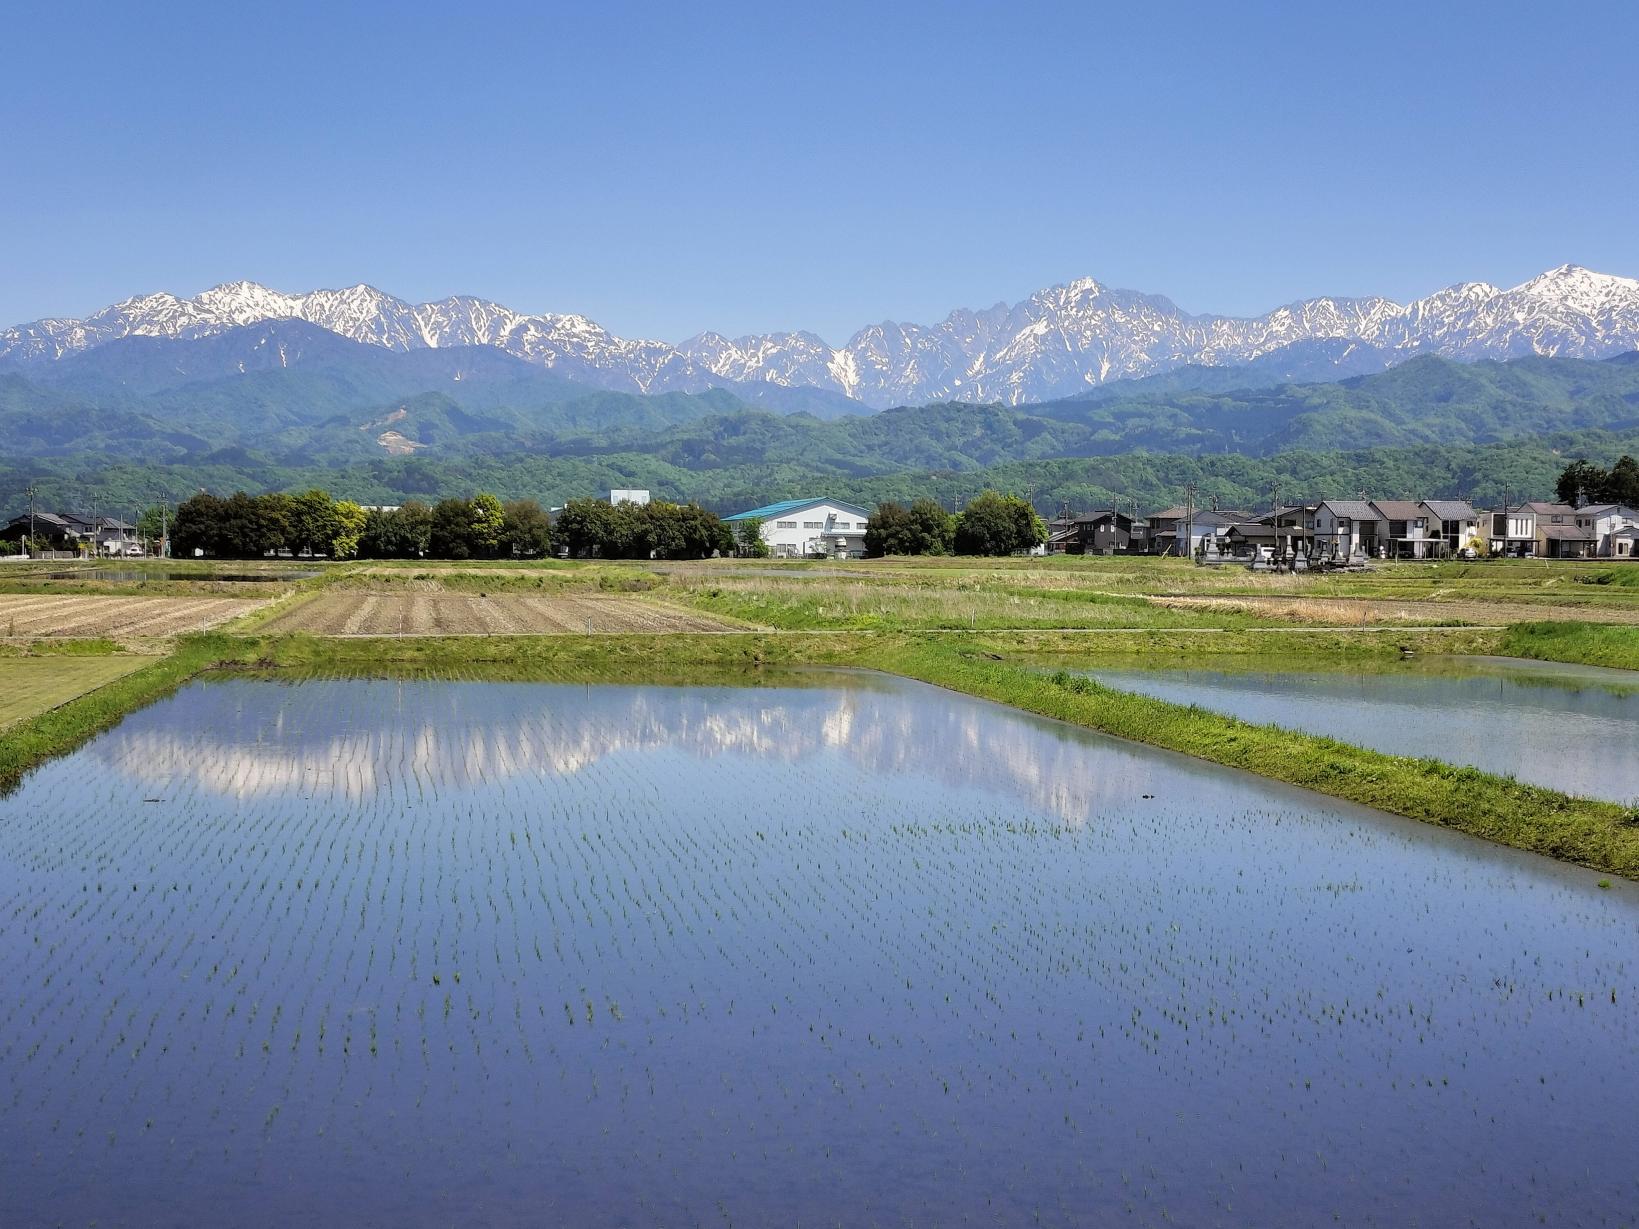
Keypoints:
(62, 614)
(458, 614)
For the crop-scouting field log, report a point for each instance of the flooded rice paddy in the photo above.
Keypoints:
(840, 949)
(1572, 728)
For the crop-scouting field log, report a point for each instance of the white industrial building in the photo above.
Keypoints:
(805, 528)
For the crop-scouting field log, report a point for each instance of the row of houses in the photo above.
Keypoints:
(69, 532)
(1345, 530)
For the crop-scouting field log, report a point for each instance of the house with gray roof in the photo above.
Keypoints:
(1345, 529)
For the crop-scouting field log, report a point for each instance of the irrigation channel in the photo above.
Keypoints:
(1571, 728)
(837, 948)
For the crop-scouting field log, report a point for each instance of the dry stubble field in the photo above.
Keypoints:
(347, 613)
(62, 614)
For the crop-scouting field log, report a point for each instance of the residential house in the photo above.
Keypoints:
(807, 528)
(1344, 529)
(1210, 526)
(52, 529)
(1512, 532)
(1606, 521)
(1625, 544)
(1403, 529)
(1558, 534)
(1453, 522)
(1103, 532)
(66, 531)
(1163, 530)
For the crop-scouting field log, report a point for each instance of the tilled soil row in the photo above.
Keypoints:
(78, 615)
(344, 613)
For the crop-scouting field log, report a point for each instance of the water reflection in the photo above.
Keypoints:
(461, 735)
(821, 952)
(1573, 729)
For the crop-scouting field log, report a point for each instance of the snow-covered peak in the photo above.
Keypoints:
(1059, 340)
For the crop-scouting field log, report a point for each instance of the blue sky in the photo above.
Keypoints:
(667, 169)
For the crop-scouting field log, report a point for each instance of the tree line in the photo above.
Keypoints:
(1584, 482)
(991, 524)
(243, 526)
(590, 528)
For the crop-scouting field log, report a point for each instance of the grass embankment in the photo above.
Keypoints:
(1601, 835)
(1589, 644)
(66, 726)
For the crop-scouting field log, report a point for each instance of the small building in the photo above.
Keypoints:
(55, 531)
(1606, 521)
(66, 531)
(629, 496)
(810, 528)
(1625, 544)
(1103, 532)
(1453, 522)
(1403, 529)
(1557, 534)
(1512, 532)
(1345, 529)
(1209, 529)
(1162, 529)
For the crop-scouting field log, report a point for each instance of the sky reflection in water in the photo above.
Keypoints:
(846, 950)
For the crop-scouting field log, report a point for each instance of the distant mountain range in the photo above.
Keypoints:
(1072, 339)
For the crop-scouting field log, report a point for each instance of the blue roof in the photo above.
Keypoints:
(792, 505)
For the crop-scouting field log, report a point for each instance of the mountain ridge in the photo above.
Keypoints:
(1064, 339)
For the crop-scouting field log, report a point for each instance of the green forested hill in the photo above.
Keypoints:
(337, 414)
(1428, 427)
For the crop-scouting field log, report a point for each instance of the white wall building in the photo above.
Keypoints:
(802, 528)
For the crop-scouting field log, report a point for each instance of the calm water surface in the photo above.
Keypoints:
(1574, 728)
(847, 950)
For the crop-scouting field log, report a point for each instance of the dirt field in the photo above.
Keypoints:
(30, 685)
(456, 614)
(62, 614)
(1346, 610)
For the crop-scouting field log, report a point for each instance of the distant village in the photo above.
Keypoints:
(1330, 533)
(1341, 531)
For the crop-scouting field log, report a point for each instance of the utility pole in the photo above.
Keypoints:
(30, 492)
(1189, 523)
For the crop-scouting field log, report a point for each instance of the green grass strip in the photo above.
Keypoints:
(1589, 644)
(1601, 835)
(59, 730)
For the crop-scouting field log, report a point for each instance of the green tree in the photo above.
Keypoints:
(450, 532)
(1580, 479)
(995, 524)
(748, 539)
(891, 531)
(312, 522)
(198, 525)
(1622, 483)
(348, 519)
(404, 532)
(488, 525)
(585, 526)
(935, 528)
(528, 532)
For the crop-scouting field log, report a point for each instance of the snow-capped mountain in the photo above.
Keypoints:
(1059, 341)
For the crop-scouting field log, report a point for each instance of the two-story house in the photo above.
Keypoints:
(1558, 534)
(1345, 529)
